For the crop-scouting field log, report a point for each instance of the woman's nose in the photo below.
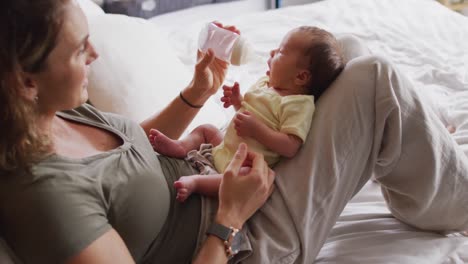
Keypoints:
(93, 55)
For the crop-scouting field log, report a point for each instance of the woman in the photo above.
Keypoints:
(44, 59)
(81, 186)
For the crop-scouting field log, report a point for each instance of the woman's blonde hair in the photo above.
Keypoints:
(28, 33)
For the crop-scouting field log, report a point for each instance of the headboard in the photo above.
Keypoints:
(151, 8)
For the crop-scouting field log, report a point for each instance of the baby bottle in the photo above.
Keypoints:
(227, 45)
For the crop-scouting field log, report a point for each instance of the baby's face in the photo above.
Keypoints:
(286, 62)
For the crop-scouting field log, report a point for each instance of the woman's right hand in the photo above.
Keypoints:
(209, 74)
(243, 190)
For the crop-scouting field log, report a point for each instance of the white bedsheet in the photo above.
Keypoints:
(426, 41)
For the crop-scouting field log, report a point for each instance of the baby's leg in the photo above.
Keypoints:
(179, 148)
(203, 184)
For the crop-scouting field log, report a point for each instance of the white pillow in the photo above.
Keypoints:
(138, 73)
(90, 8)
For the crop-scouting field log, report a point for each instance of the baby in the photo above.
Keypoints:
(274, 116)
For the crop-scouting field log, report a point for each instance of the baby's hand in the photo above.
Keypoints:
(246, 124)
(232, 96)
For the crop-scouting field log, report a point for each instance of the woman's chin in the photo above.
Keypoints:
(84, 96)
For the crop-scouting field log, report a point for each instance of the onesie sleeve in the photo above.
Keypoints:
(295, 115)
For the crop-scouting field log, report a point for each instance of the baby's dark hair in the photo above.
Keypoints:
(325, 59)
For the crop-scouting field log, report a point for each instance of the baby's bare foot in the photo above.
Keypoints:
(185, 187)
(166, 146)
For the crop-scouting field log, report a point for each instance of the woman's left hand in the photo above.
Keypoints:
(209, 74)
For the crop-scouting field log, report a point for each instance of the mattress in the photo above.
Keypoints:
(422, 38)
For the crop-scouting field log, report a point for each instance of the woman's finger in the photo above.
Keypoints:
(205, 60)
(217, 23)
(271, 177)
(233, 29)
(237, 161)
(258, 162)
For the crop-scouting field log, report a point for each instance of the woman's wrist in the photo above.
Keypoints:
(194, 96)
(226, 218)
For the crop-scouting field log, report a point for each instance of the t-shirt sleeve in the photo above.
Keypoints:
(49, 225)
(296, 115)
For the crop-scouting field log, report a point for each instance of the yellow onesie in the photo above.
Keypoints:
(290, 114)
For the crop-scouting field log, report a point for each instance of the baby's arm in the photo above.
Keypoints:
(247, 125)
(232, 96)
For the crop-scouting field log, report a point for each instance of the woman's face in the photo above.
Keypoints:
(63, 84)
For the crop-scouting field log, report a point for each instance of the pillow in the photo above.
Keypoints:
(90, 8)
(137, 72)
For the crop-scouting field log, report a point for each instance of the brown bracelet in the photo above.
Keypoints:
(188, 103)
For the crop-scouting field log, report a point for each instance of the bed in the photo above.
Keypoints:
(145, 63)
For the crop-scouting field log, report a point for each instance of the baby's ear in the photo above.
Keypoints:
(303, 77)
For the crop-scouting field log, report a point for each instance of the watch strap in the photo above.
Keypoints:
(221, 231)
(229, 237)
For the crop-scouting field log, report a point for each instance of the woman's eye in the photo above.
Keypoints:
(83, 48)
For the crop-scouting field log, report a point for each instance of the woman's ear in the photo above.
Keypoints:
(303, 77)
(28, 86)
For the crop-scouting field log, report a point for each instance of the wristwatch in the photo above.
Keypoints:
(229, 235)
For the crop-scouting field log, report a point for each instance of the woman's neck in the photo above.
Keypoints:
(44, 123)
(51, 126)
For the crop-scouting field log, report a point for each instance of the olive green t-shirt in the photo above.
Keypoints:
(67, 203)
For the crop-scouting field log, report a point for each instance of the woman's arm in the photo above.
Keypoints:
(212, 252)
(108, 248)
(247, 125)
(242, 191)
